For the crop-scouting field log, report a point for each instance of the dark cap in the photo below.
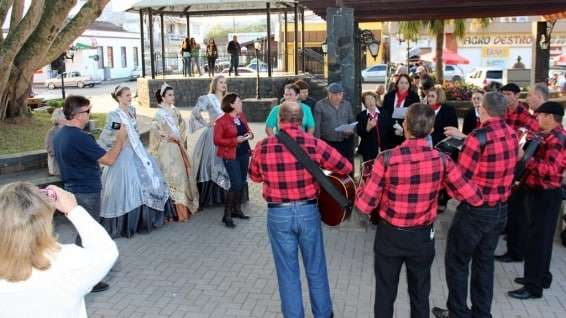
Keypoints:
(511, 87)
(551, 108)
(335, 88)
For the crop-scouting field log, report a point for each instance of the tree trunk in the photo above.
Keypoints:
(439, 69)
(52, 36)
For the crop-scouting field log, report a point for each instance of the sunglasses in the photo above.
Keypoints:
(86, 111)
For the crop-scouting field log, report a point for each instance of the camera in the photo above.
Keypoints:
(116, 125)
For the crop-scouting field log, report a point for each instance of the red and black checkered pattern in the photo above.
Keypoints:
(406, 191)
(491, 169)
(521, 118)
(544, 170)
(284, 178)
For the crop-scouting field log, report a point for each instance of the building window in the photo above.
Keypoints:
(110, 57)
(136, 57)
(100, 54)
(124, 57)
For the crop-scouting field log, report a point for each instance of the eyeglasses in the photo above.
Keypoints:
(85, 111)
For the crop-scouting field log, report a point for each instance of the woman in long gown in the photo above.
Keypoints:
(135, 197)
(167, 142)
(211, 175)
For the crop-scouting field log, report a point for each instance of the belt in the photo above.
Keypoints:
(292, 203)
(407, 228)
(487, 206)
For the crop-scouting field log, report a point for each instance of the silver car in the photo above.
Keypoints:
(375, 73)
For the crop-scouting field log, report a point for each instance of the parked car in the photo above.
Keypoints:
(241, 70)
(135, 73)
(262, 66)
(375, 73)
(71, 79)
(484, 76)
(453, 73)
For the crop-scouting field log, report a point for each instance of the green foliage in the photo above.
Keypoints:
(220, 33)
(56, 103)
(28, 134)
(459, 91)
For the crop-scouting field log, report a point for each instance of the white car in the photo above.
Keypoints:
(375, 73)
(453, 73)
(484, 76)
(71, 79)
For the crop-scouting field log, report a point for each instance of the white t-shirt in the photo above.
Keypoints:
(59, 291)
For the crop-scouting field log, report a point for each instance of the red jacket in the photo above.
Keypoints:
(225, 135)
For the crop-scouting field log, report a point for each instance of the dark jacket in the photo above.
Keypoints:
(211, 51)
(225, 135)
(470, 121)
(369, 144)
(389, 105)
(234, 48)
(446, 117)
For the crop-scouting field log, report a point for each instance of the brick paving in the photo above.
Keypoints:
(203, 269)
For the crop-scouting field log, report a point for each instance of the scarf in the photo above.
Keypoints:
(401, 97)
(170, 121)
(435, 107)
(137, 146)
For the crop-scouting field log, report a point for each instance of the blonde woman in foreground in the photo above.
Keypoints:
(40, 277)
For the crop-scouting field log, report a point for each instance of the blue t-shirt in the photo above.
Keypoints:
(77, 155)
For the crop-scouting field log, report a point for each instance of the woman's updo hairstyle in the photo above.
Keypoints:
(118, 90)
(162, 91)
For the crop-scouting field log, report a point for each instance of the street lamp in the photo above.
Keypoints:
(257, 47)
(370, 43)
(69, 55)
(324, 47)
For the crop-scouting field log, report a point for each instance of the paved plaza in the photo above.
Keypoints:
(203, 269)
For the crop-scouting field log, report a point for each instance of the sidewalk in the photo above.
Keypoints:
(203, 269)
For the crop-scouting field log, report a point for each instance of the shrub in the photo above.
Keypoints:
(56, 103)
(458, 91)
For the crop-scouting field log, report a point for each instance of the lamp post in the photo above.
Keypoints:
(257, 47)
(70, 55)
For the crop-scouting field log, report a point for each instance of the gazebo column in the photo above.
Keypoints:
(541, 53)
(295, 57)
(268, 12)
(303, 40)
(188, 25)
(286, 40)
(142, 40)
(151, 48)
(342, 52)
(162, 44)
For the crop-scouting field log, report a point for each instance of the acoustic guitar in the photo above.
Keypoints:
(331, 212)
(530, 148)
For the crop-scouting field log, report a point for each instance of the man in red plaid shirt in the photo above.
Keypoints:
(544, 196)
(293, 219)
(518, 117)
(404, 188)
(475, 231)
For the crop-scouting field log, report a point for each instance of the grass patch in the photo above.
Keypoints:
(28, 134)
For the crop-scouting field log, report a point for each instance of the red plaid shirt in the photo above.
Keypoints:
(406, 191)
(492, 169)
(521, 117)
(544, 170)
(284, 179)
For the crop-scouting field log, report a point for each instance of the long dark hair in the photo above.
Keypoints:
(159, 96)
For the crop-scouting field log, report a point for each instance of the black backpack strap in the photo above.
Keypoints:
(386, 157)
(481, 134)
(313, 169)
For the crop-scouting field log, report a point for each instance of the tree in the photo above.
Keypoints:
(411, 29)
(35, 39)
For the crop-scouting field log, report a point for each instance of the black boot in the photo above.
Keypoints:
(228, 208)
(237, 211)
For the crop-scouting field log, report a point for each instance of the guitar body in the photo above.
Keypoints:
(530, 151)
(331, 212)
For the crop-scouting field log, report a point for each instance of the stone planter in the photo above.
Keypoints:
(257, 110)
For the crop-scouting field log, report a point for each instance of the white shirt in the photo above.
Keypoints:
(59, 291)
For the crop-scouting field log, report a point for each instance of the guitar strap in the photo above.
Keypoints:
(313, 169)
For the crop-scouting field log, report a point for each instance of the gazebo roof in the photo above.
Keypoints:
(209, 6)
(400, 10)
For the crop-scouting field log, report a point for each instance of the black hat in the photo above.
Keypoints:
(511, 87)
(551, 108)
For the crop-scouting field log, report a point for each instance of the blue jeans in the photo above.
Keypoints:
(472, 237)
(234, 63)
(91, 203)
(238, 171)
(187, 69)
(291, 228)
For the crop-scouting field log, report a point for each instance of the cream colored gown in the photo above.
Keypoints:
(173, 157)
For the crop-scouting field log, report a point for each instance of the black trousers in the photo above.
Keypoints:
(543, 207)
(344, 147)
(473, 237)
(211, 65)
(517, 224)
(394, 247)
